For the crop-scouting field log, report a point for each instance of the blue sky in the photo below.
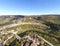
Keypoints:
(29, 7)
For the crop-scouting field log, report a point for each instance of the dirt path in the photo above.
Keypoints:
(12, 25)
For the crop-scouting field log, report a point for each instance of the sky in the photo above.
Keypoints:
(29, 7)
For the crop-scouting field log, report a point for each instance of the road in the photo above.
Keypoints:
(7, 39)
(45, 40)
(21, 23)
(13, 33)
(13, 25)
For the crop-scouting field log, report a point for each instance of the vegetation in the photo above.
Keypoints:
(48, 28)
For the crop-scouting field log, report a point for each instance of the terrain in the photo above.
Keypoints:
(38, 30)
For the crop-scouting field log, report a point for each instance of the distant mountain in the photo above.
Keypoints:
(8, 19)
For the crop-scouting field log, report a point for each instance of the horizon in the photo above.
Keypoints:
(34, 15)
(29, 7)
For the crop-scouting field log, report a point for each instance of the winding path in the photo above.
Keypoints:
(8, 39)
(22, 23)
(45, 40)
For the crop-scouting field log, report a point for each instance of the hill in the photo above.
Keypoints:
(15, 30)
